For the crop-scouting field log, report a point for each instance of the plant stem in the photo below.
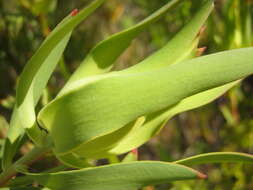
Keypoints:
(26, 160)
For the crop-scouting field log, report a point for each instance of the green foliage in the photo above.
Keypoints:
(109, 100)
(124, 107)
(123, 176)
(216, 157)
(102, 113)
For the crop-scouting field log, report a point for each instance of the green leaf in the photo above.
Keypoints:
(156, 121)
(34, 79)
(217, 157)
(97, 148)
(175, 54)
(113, 100)
(43, 7)
(126, 176)
(3, 123)
(40, 67)
(13, 141)
(131, 156)
(102, 56)
(180, 47)
(73, 161)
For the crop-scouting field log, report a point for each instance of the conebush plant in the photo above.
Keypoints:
(101, 113)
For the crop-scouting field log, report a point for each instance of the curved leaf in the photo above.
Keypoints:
(41, 65)
(102, 56)
(98, 147)
(156, 121)
(175, 52)
(111, 101)
(34, 79)
(217, 157)
(13, 141)
(124, 176)
(131, 156)
(180, 47)
(73, 161)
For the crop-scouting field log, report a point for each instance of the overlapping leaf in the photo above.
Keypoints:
(180, 47)
(155, 122)
(171, 53)
(34, 79)
(101, 59)
(40, 67)
(113, 100)
(102, 56)
(123, 176)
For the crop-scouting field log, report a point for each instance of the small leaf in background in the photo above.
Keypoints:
(217, 157)
(38, 7)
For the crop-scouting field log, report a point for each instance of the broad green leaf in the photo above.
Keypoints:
(156, 121)
(188, 39)
(175, 51)
(34, 79)
(98, 148)
(113, 100)
(101, 57)
(217, 157)
(125, 176)
(89, 67)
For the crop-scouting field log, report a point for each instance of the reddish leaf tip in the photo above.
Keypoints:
(200, 51)
(74, 12)
(135, 152)
(202, 176)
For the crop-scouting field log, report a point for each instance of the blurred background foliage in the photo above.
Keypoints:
(224, 125)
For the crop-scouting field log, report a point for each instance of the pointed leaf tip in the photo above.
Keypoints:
(200, 51)
(135, 151)
(202, 176)
(74, 12)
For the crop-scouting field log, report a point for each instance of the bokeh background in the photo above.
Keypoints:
(224, 125)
